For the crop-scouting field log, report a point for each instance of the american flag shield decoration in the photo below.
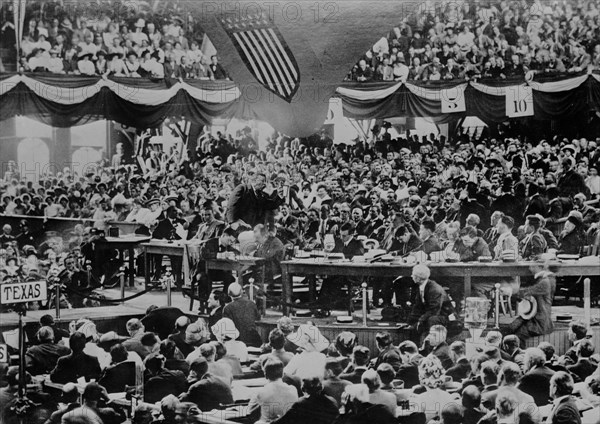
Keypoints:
(265, 53)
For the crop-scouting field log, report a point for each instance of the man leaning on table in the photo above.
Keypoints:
(431, 304)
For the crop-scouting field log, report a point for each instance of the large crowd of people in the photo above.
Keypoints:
(498, 198)
(416, 200)
(468, 40)
(113, 39)
(445, 41)
(181, 368)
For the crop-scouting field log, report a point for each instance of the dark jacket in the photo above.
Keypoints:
(244, 314)
(391, 355)
(543, 292)
(582, 369)
(442, 351)
(166, 230)
(369, 414)
(164, 383)
(273, 251)
(432, 244)
(460, 371)
(571, 183)
(314, 409)
(352, 249)
(162, 320)
(566, 412)
(249, 206)
(409, 373)
(69, 368)
(41, 359)
(209, 393)
(570, 243)
(536, 383)
(436, 303)
(470, 254)
(354, 376)
(115, 377)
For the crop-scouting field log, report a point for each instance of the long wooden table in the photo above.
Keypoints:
(467, 271)
(236, 264)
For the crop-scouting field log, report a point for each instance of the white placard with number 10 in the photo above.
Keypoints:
(519, 101)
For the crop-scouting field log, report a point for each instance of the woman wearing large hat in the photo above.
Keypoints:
(570, 239)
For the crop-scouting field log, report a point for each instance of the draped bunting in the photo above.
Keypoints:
(68, 100)
(554, 96)
(67, 95)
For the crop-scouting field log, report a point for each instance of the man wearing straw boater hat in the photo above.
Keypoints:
(535, 306)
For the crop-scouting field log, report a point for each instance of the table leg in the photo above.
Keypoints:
(131, 268)
(286, 289)
(312, 287)
(146, 268)
(467, 283)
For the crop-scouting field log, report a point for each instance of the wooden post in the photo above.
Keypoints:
(497, 306)
(587, 309)
(364, 303)
(122, 282)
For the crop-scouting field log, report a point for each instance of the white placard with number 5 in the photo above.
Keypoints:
(519, 101)
(453, 100)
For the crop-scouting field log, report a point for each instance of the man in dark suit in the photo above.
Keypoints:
(429, 239)
(244, 314)
(584, 367)
(431, 303)
(347, 243)
(360, 361)
(160, 382)
(77, 364)
(210, 227)
(271, 249)
(75, 279)
(210, 249)
(409, 370)
(250, 204)
(564, 409)
(541, 323)
(489, 378)
(120, 373)
(208, 391)
(462, 367)
(167, 230)
(435, 343)
(315, 407)
(161, 320)
(388, 353)
(536, 381)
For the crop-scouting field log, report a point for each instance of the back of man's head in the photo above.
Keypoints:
(361, 355)
(45, 335)
(118, 353)
(452, 414)
(386, 373)
(408, 347)
(579, 329)
(199, 366)
(586, 348)
(548, 350)
(312, 385)
(77, 342)
(371, 379)
(273, 369)
(510, 374)
(276, 339)
(562, 384)
(489, 372)
(208, 351)
(471, 397)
